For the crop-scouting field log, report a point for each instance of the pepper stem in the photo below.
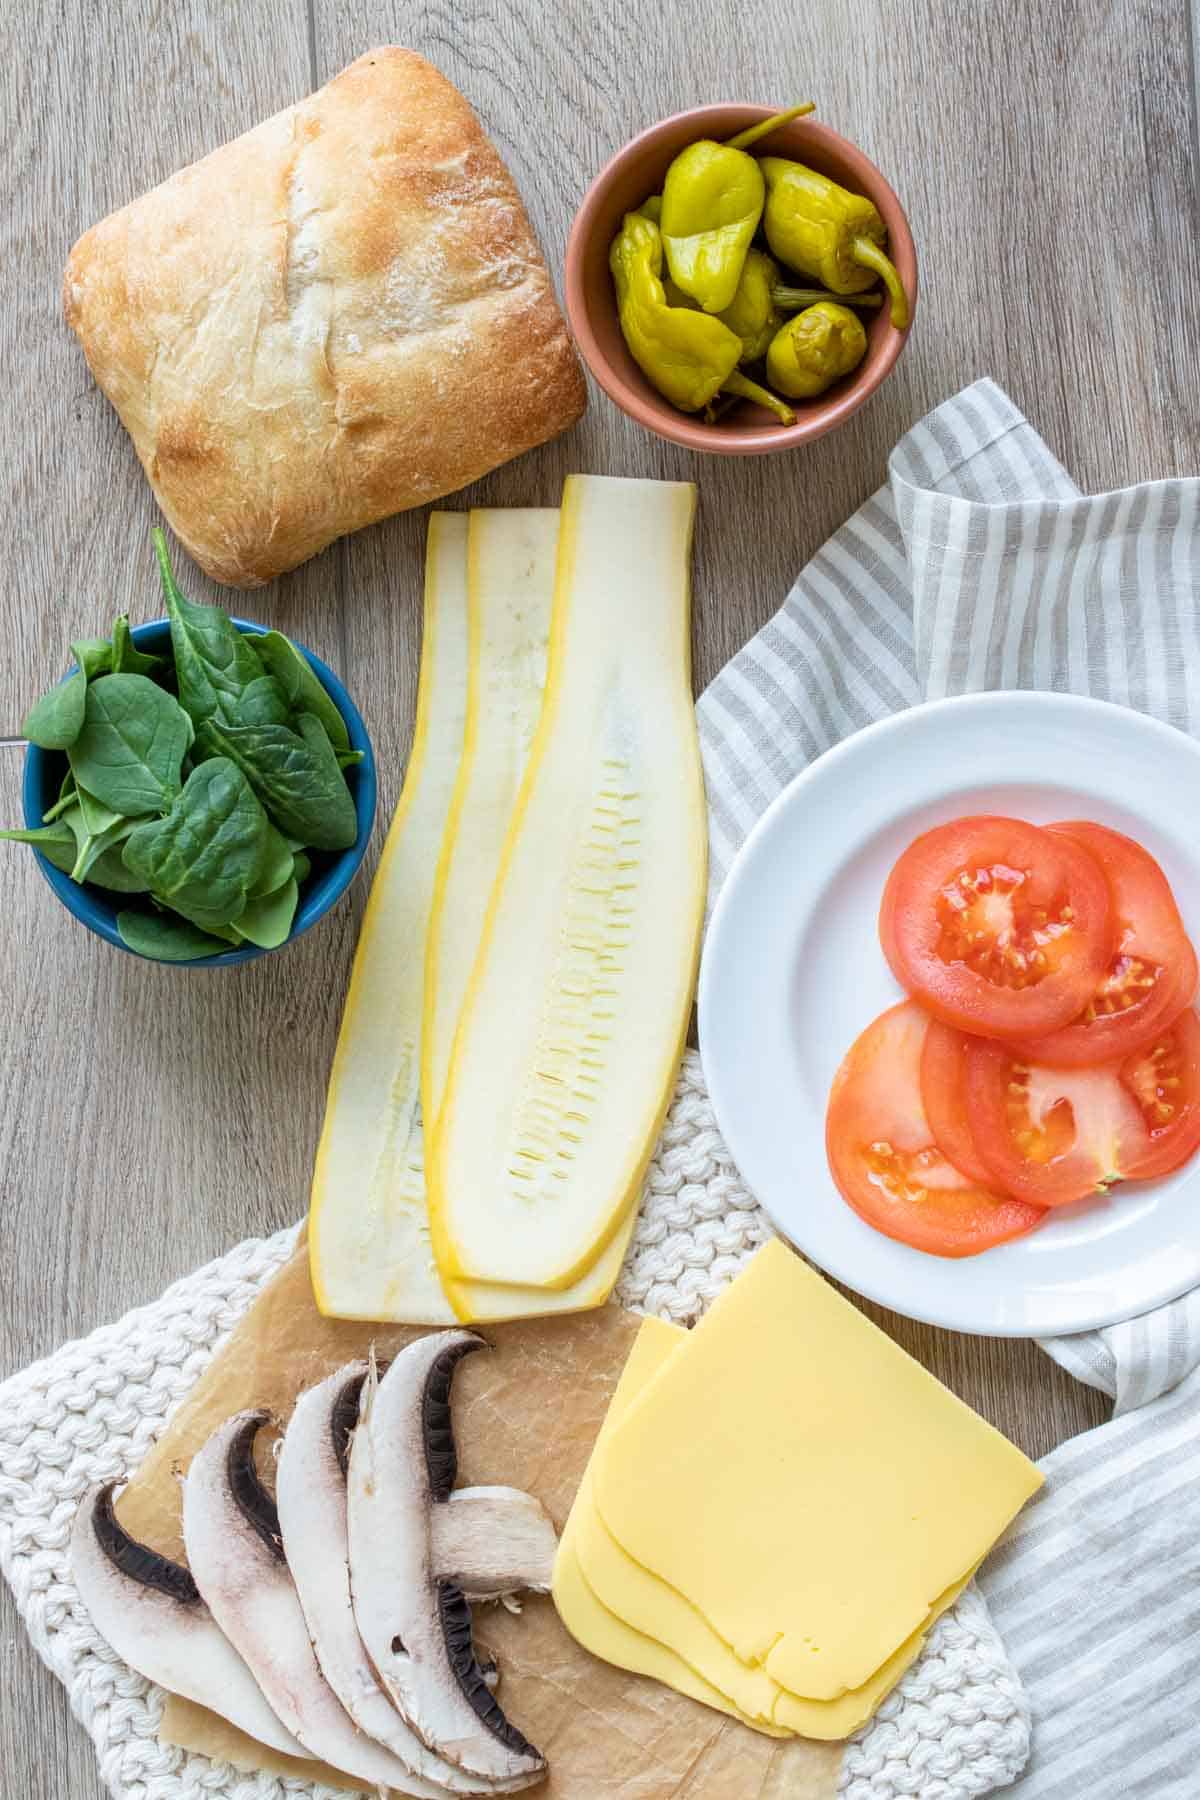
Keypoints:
(740, 384)
(763, 129)
(868, 253)
(793, 298)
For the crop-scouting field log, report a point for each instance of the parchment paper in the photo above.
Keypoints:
(525, 1414)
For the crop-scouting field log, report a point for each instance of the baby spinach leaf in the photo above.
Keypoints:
(82, 845)
(227, 934)
(129, 752)
(56, 843)
(72, 818)
(96, 816)
(294, 774)
(217, 919)
(350, 759)
(41, 835)
(55, 721)
(279, 862)
(109, 871)
(69, 846)
(66, 797)
(87, 847)
(326, 757)
(61, 853)
(127, 659)
(260, 702)
(94, 656)
(300, 684)
(303, 868)
(209, 851)
(267, 922)
(165, 939)
(213, 661)
(95, 845)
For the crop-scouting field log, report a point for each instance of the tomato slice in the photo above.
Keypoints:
(944, 1097)
(883, 1157)
(1164, 1079)
(1151, 976)
(997, 927)
(1051, 1135)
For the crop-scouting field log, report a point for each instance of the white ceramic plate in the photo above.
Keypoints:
(792, 972)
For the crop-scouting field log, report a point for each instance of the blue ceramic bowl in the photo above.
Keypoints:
(331, 874)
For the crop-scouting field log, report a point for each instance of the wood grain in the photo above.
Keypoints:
(1046, 151)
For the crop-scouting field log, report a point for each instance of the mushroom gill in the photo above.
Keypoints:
(416, 1627)
(310, 1490)
(150, 1611)
(489, 1541)
(235, 1550)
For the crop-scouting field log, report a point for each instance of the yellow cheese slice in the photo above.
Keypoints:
(600, 1631)
(646, 1604)
(811, 1489)
(584, 1614)
(620, 1611)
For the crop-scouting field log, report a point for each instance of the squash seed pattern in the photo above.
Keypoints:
(583, 994)
(397, 1191)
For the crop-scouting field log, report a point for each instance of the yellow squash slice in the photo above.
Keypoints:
(574, 1021)
(510, 567)
(368, 1225)
(511, 555)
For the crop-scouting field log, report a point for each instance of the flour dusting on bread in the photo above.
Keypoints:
(340, 314)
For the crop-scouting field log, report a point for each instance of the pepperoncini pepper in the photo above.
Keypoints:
(689, 356)
(752, 312)
(827, 232)
(816, 348)
(676, 296)
(712, 201)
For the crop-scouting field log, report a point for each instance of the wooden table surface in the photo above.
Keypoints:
(1047, 153)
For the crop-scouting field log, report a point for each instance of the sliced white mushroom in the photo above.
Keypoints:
(494, 1541)
(489, 1541)
(235, 1551)
(417, 1628)
(150, 1610)
(310, 1494)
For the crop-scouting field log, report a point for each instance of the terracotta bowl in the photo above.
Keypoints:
(636, 172)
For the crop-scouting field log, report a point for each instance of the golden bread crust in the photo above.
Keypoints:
(339, 315)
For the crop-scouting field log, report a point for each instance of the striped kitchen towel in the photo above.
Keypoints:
(981, 565)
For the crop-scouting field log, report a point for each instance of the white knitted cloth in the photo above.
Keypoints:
(957, 1725)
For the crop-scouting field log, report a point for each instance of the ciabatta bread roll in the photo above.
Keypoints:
(339, 315)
